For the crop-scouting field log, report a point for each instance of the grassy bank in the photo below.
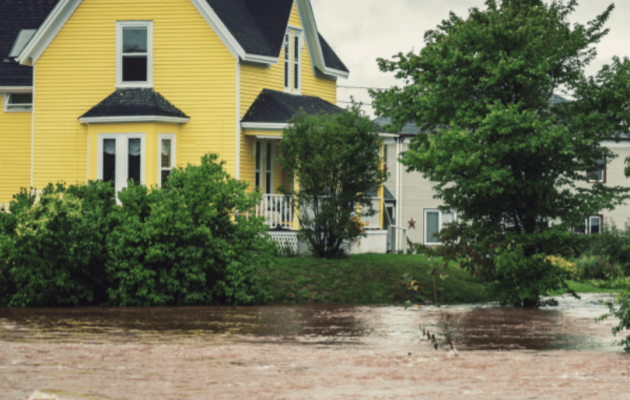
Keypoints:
(367, 279)
(583, 287)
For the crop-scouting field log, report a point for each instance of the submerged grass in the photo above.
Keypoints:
(367, 279)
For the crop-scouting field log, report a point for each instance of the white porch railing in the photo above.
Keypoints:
(276, 211)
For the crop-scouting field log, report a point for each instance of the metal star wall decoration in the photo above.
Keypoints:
(412, 224)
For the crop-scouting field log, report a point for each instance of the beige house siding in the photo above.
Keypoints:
(417, 192)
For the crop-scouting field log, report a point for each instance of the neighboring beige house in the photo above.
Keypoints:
(414, 209)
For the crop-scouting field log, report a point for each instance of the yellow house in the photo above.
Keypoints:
(113, 90)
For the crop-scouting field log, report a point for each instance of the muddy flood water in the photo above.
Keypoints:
(311, 352)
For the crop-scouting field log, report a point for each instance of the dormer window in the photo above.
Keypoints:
(134, 64)
(292, 51)
(16, 102)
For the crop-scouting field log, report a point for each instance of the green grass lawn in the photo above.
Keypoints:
(583, 287)
(367, 279)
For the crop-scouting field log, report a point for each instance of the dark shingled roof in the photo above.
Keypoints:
(330, 57)
(134, 102)
(16, 15)
(277, 107)
(258, 26)
(388, 196)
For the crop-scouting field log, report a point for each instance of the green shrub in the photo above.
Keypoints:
(184, 244)
(620, 309)
(597, 267)
(56, 256)
(613, 243)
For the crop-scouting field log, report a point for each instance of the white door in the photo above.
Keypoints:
(121, 157)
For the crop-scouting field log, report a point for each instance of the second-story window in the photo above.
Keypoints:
(292, 51)
(134, 64)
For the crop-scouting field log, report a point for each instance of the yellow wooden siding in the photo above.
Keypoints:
(15, 152)
(255, 78)
(192, 69)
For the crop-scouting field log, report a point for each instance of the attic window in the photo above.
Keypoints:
(292, 50)
(134, 66)
(16, 102)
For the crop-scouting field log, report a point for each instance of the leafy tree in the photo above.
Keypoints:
(501, 151)
(336, 160)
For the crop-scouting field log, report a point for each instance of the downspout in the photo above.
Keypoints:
(238, 119)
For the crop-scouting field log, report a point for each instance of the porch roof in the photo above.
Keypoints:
(273, 107)
(135, 103)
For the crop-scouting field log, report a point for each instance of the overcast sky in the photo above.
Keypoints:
(360, 31)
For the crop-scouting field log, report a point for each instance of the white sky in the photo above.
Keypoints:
(360, 31)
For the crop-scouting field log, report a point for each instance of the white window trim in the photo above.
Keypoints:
(286, 62)
(293, 32)
(173, 139)
(120, 146)
(7, 108)
(300, 36)
(440, 224)
(119, 38)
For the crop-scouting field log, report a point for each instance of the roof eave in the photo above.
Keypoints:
(133, 118)
(264, 126)
(47, 31)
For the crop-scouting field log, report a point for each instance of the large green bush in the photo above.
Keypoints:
(185, 245)
(56, 252)
(612, 243)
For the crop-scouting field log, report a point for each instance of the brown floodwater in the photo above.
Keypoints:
(569, 326)
(312, 352)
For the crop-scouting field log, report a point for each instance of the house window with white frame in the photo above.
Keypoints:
(18, 102)
(258, 160)
(434, 221)
(268, 170)
(121, 157)
(166, 157)
(592, 225)
(134, 50)
(293, 40)
(599, 175)
(287, 76)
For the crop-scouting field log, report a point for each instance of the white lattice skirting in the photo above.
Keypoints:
(286, 240)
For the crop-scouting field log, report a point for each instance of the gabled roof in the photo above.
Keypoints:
(135, 103)
(273, 107)
(411, 128)
(252, 30)
(16, 15)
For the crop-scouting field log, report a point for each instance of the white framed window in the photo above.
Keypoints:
(134, 54)
(434, 221)
(592, 225)
(287, 70)
(258, 161)
(18, 102)
(599, 175)
(166, 156)
(263, 154)
(293, 46)
(121, 156)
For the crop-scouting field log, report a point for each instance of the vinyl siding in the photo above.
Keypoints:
(15, 152)
(192, 69)
(418, 193)
(255, 78)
